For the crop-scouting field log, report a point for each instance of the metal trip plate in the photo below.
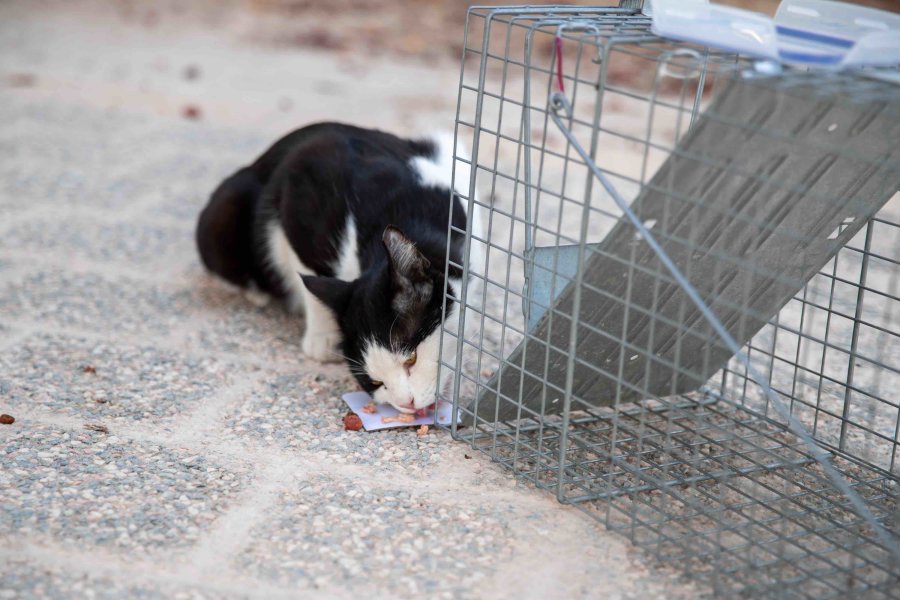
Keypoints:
(758, 196)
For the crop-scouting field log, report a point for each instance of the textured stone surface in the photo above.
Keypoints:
(94, 302)
(398, 540)
(224, 319)
(94, 489)
(29, 579)
(96, 380)
(90, 178)
(131, 244)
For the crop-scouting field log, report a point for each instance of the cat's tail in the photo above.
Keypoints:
(225, 228)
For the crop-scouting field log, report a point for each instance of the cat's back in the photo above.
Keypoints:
(335, 187)
(333, 171)
(340, 149)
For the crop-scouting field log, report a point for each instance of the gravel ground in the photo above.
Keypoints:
(32, 579)
(170, 441)
(404, 541)
(93, 488)
(93, 380)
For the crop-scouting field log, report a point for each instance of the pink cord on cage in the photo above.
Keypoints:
(559, 63)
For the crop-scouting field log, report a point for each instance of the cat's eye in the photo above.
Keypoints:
(377, 384)
(411, 360)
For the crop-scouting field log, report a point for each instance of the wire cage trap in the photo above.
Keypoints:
(681, 312)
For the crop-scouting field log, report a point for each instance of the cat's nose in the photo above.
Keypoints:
(410, 403)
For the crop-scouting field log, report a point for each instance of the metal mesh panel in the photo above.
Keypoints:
(681, 305)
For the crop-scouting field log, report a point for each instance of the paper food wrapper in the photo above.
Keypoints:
(372, 422)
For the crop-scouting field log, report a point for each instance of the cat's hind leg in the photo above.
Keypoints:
(225, 228)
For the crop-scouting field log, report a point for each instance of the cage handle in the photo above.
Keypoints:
(574, 26)
(666, 58)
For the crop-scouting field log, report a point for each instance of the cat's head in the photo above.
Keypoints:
(390, 320)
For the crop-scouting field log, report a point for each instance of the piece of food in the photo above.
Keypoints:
(370, 408)
(7, 419)
(89, 369)
(403, 418)
(352, 422)
(21, 80)
(191, 112)
(422, 430)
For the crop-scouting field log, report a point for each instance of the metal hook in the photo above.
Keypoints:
(560, 104)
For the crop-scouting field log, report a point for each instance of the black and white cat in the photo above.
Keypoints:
(350, 226)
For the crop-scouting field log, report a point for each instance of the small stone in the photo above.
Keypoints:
(89, 369)
(96, 427)
(7, 420)
(191, 112)
(192, 72)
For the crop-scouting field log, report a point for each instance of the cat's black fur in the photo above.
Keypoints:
(311, 181)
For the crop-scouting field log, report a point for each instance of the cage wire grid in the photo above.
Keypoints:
(696, 349)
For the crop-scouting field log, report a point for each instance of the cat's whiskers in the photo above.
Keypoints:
(352, 361)
(347, 358)
(391, 333)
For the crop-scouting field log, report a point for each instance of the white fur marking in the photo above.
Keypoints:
(400, 388)
(437, 171)
(347, 265)
(322, 335)
(287, 264)
(257, 297)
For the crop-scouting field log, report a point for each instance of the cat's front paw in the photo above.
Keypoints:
(257, 298)
(322, 346)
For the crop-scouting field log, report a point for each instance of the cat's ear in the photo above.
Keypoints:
(409, 272)
(333, 292)
(405, 257)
